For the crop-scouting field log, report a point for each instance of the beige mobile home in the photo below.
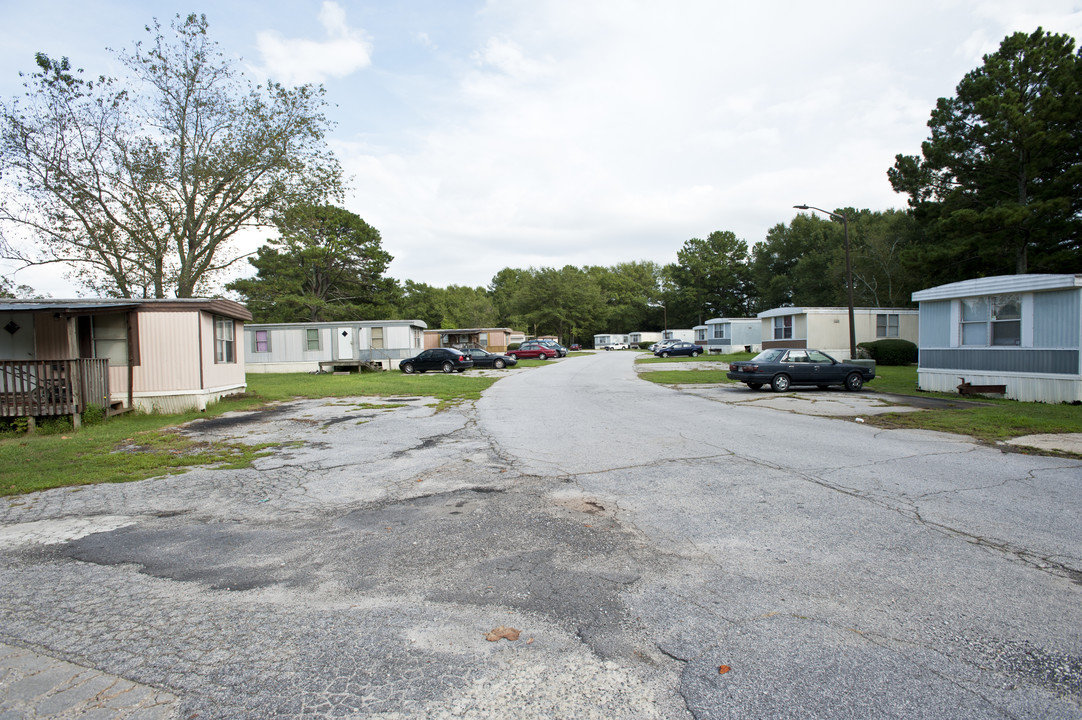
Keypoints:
(59, 356)
(827, 328)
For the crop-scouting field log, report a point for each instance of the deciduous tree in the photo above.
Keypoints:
(140, 184)
(711, 279)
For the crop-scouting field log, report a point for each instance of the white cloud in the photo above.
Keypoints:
(601, 133)
(559, 131)
(294, 61)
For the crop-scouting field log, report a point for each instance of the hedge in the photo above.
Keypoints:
(893, 351)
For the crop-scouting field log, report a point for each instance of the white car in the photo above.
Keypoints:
(616, 346)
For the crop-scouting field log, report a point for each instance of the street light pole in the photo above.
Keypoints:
(848, 274)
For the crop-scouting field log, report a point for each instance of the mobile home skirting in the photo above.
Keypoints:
(1001, 359)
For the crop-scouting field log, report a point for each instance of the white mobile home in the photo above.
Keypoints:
(307, 347)
(636, 338)
(601, 341)
(687, 335)
(729, 335)
(1020, 331)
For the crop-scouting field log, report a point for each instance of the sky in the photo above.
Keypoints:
(484, 134)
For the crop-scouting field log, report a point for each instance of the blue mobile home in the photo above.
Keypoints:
(1020, 331)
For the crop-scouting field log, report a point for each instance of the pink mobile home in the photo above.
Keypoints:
(58, 356)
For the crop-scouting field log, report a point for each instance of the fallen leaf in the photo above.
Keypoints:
(723, 669)
(505, 633)
(530, 641)
(420, 479)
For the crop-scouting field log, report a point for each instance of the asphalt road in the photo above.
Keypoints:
(661, 555)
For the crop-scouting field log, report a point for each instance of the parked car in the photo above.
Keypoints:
(446, 360)
(561, 351)
(575, 347)
(532, 349)
(483, 359)
(782, 368)
(615, 346)
(662, 344)
(678, 349)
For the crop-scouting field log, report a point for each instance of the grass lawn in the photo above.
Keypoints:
(136, 446)
(686, 377)
(451, 388)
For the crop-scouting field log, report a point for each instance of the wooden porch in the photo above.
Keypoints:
(46, 388)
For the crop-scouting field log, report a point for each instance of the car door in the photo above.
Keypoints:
(428, 360)
(799, 369)
(824, 370)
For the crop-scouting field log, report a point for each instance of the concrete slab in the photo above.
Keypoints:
(1062, 442)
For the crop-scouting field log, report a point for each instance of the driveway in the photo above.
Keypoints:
(579, 543)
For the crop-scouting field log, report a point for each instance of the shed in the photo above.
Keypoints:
(59, 356)
(1023, 332)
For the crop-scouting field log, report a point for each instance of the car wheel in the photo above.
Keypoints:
(854, 382)
(513, 356)
(406, 368)
(755, 386)
(780, 383)
(498, 364)
(664, 354)
(542, 356)
(448, 367)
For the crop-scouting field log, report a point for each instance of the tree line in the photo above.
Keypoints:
(802, 263)
(139, 184)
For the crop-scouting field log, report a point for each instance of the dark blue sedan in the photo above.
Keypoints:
(483, 359)
(678, 349)
(782, 368)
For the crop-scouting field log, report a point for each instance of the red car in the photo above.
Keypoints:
(532, 350)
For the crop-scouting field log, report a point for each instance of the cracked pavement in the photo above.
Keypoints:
(639, 536)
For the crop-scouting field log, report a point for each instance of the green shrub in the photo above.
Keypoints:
(892, 351)
(54, 425)
(645, 345)
(513, 346)
(93, 414)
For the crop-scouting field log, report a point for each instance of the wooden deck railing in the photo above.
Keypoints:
(36, 388)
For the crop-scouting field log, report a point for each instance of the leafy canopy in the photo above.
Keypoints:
(140, 183)
(998, 185)
(327, 264)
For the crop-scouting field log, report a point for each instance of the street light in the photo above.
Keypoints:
(848, 274)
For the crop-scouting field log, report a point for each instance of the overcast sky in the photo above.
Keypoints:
(483, 135)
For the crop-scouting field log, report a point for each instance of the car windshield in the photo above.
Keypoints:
(771, 355)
